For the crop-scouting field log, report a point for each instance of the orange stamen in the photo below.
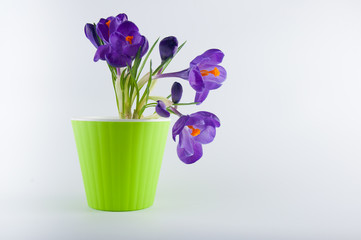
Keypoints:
(195, 131)
(108, 23)
(129, 39)
(215, 72)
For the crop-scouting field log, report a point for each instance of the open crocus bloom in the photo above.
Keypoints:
(121, 40)
(128, 40)
(193, 131)
(204, 73)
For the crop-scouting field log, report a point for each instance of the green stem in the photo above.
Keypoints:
(183, 104)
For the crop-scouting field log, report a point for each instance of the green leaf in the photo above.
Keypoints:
(164, 65)
(145, 96)
(146, 58)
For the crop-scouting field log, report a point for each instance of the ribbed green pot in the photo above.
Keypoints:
(120, 161)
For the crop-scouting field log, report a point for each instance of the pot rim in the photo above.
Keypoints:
(116, 119)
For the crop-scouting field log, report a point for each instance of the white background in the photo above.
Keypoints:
(285, 163)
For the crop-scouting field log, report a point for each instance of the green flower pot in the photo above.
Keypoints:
(120, 161)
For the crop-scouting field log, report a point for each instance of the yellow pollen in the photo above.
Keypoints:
(195, 131)
(129, 39)
(215, 72)
(108, 23)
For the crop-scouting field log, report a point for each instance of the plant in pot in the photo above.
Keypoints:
(120, 158)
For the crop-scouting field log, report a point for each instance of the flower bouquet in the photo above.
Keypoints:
(119, 42)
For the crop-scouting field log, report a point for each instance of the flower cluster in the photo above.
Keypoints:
(119, 42)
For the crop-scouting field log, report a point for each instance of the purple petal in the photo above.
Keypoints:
(122, 16)
(127, 27)
(187, 156)
(114, 24)
(195, 120)
(186, 141)
(90, 33)
(161, 109)
(208, 117)
(179, 125)
(117, 41)
(211, 81)
(101, 52)
(117, 59)
(201, 96)
(145, 47)
(207, 135)
(103, 30)
(196, 79)
(132, 49)
(137, 38)
(177, 91)
(211, 56)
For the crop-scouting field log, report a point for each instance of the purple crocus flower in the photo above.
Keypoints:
(193, 131)
(204, 73)
(161, 109)
(168, 47)
(128, 38)
(177, 91)
(121, 39)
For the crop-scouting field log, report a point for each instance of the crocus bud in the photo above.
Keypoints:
(90, 33)
(161, 109)
(176, 91)
(168, 47)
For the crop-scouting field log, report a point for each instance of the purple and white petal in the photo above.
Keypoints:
(188, 158)
(211, 56)
(178, 126)
(161, 109)
(195, 79)
(207, 135)
(214, 81)
(201, 96)
(186, 141)
(208, 117)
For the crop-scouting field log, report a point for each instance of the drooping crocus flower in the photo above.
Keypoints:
(121, 39)
(204, 73)
(168, 47)
(177, 91)
(161, 109)
(193, 131)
